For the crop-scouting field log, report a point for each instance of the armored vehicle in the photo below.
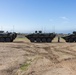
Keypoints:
(70, 37)
(38, 36)
(7, 36)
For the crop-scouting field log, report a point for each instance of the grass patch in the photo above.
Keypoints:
(22, 39)
(25, 66)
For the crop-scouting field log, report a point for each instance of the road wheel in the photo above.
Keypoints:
(38, 40)
(32, 40)
(71, 40)
(49, 40)
(8, 40)
(12, 40)
(75, 40)
(43, 40)
(2, 39)
(67, 40)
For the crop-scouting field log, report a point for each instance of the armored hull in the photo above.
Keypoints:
(7, 37)
(41, 37)
(70, 38)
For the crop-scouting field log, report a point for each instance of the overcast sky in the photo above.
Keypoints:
(30, 15)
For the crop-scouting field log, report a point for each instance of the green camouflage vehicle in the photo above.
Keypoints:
(70, 37)
(38, 36)
(7, 36)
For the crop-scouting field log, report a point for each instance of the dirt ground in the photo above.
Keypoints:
(25, 58)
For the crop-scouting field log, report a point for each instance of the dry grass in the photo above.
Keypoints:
(21, 40)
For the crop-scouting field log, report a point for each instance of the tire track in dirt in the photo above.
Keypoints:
(51, 55)
(47, 51)
(36, 51)
(67, 51)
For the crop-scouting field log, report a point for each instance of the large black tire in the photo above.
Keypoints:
(43, 39)
(67, 40)
(71, 40)
(75, 40)
(49, 40)
(8, 40)
(2, 39)
(32, 40)
(38, 40)
(12, 40)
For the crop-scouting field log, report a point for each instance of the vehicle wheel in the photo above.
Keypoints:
(75, 40)
(43, 40)
(8, 40)
(71, 40)
(12, 40)
(32, 40)
(67, 40)
(38, 40)
(2, 40)
(49, 40)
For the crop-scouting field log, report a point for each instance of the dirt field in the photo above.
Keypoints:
(24, 58)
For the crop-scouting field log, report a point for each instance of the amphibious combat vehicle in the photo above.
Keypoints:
(70, 37)
(7, 36)
(38, 36)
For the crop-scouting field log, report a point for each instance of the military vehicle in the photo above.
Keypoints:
(70, 37)
(7, 36)
(38, 36)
